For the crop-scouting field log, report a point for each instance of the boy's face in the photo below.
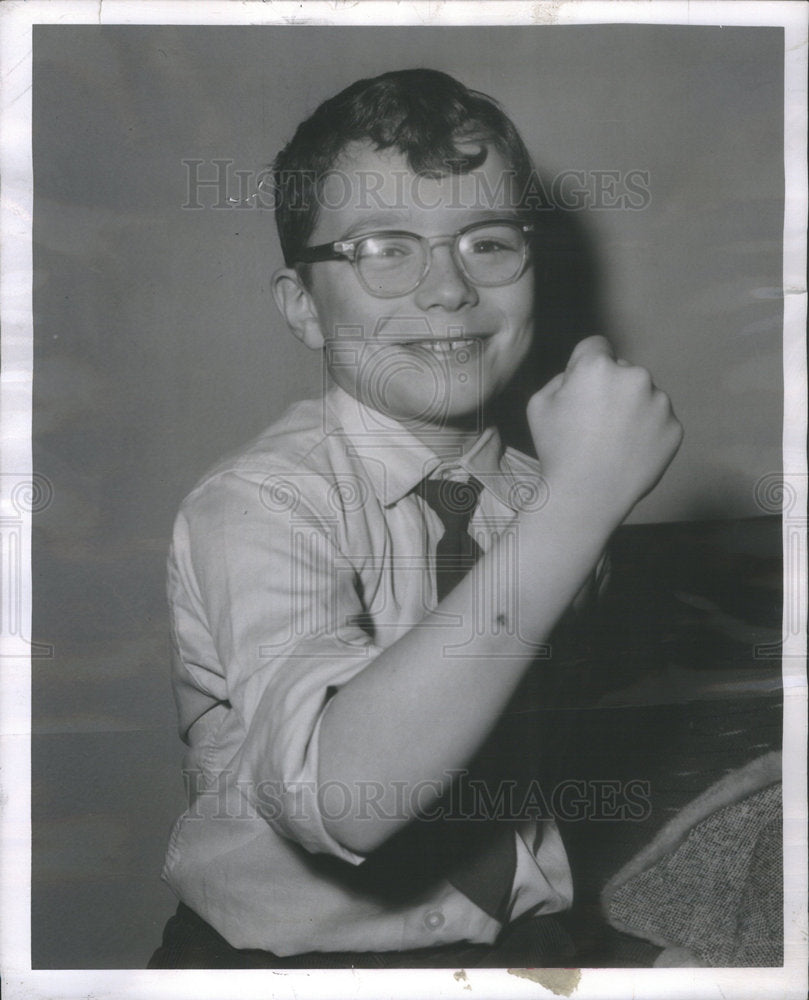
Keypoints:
(435, 356)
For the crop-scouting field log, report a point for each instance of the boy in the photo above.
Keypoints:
(358, 594)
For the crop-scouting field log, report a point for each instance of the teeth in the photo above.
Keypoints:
(445, 346)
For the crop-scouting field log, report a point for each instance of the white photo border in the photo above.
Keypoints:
(16, 23)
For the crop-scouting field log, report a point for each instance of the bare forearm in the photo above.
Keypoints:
(426, 704)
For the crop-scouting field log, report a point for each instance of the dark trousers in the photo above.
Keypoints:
(540, 942)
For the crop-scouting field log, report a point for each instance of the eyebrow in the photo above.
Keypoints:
(375, 223)
(372, 222)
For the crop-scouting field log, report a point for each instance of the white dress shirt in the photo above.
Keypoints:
(294, 563)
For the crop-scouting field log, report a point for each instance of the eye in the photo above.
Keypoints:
(485, 245)
(490, 241)
(388, 247)
(390, 250)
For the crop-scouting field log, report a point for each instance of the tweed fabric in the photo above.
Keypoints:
(717, 891)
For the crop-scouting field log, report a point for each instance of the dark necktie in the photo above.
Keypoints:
(481, 855)
(457, 551)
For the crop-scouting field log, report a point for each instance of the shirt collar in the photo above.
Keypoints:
(396, 460)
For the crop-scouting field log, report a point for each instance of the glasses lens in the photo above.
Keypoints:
(390, 265)
(494, 253)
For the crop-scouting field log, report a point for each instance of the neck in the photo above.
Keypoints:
(446, 441)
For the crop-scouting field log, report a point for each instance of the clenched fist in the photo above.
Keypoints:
(602, 428)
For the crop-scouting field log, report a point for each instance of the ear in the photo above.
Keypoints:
(295, 302)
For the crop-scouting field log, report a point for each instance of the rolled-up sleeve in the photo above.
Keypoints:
(267, 620)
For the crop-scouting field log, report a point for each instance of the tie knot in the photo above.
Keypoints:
(454, 501)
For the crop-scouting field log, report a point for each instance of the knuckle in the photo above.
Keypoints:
(598, 364)
(594, 347)
(639, 376)
(534, 405)
(673, 431)
(664, 401)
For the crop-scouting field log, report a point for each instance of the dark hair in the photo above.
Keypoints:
(422, 113)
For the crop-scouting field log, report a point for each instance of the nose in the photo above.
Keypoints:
(444, 285)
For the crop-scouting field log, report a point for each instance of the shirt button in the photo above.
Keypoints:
(434, 919)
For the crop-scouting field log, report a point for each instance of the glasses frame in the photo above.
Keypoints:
(347, 250)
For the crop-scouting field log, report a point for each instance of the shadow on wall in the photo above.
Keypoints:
(569, 306)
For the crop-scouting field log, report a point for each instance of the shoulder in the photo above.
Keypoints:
(297, 454)
(295, 439)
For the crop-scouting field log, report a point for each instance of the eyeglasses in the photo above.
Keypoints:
(393, 263)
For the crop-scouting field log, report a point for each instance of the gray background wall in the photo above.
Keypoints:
(157, 346)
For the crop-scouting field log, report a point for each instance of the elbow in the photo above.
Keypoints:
(360, 834)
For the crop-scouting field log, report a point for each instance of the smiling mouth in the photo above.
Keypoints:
(443, 345)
